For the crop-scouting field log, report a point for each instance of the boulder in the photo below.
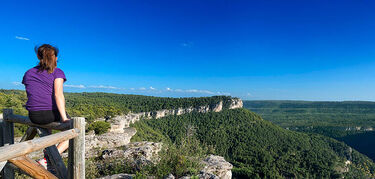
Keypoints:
(216, 165)
(108, 140)
(138, 153)
(119, 176)
(170, 176)
(204, 175)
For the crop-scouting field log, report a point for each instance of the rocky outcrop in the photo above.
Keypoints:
(119, 123)
(345, 167)
(204, 175)
(218, 166)
(170, 176)
(137, 154)
(236, 103)
(119, 176)
(108, 140)
(142, 153)
(218, 107)
(215, 167)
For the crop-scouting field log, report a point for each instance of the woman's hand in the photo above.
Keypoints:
(65, 120)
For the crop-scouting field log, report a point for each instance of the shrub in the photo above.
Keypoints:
(100, 127)
(180, 159)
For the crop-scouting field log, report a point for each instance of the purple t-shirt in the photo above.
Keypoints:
(40, 88)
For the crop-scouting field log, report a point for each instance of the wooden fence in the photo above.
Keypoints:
(13, 156)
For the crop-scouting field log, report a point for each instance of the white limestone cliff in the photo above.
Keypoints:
(119, 123)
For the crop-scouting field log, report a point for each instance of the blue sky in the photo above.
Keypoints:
(297, 50)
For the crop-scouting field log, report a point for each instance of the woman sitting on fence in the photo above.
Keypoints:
(44, 88)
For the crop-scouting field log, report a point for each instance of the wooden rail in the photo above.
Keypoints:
(12, 155)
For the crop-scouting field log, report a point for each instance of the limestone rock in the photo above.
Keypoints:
(185, 177)
(108, 140)
(170, 176)
(218, 166)
(180, 111)
(236, 103)
(218, 107)
(204, 175)
(204, 109)
(119, 123)
(119, 176)
(138, 153)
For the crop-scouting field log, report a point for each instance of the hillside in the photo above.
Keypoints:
(352, 122)
(260, 149)
(334, 119)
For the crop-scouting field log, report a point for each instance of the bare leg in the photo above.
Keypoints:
(63, 146)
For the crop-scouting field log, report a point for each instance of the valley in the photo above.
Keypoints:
(352, 122)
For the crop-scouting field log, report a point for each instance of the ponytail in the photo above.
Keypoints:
(47, 57)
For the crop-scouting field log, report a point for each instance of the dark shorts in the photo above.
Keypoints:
(45, 116)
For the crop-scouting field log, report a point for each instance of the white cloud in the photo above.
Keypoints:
(179, 90)
(17, 83)
(197, 91)
(22, 38)
(223, 93)
(104, 87)
(187, 44)
(150, 89)
(249, 94)
(75, 86)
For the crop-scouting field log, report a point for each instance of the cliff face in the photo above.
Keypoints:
(120, 133)
(119, 123)
(236, 103)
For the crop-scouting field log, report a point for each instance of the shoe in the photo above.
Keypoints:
(43, 162)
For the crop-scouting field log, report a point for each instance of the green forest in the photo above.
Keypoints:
(259, 149)
(334, 119)
(352, 122)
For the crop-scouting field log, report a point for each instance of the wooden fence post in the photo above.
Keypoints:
(7, 129)
(76, 161)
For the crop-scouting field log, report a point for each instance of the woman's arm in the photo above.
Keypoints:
(59, 97)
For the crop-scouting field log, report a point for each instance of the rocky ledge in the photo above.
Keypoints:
(218, 166)
(215, 167)
(119, 123)
(137, 154)
(107, 140)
